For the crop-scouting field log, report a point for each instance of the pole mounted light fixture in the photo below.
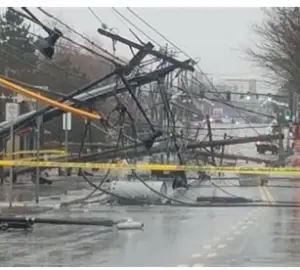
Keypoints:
(46, 45)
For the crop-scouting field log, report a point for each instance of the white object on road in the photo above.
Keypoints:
(129, 224)
(137, 191)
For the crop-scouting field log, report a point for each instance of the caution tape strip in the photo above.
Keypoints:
(154, 167)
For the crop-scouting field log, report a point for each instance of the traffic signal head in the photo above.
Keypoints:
(288, 115)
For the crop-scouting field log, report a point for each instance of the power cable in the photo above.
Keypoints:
(48, 61)
(157, 32)
(130, 30)
(136, 27)
(165, 38)
(159, 193)
(79, 34)
(70, 40)
(98, 18)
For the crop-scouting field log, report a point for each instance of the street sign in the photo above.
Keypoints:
(67, 121)
(12, 111)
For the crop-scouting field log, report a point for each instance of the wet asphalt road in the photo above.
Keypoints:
(173, 235)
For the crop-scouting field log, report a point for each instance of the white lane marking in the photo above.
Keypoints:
(269, 195)
(250, 222)
(196, 255)
(240, 222)
(197, 265)
(237, 232)
(233, 227)
(181, 265)
(211, 255)
(207, 247)
(229, 238)
(221, 246)
(244, 227)
(216, 239)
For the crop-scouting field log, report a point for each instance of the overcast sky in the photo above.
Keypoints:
(216, 35)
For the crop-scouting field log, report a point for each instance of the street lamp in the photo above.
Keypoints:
(46, 45)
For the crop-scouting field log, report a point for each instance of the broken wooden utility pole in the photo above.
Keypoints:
(140, 150)
(235, 157)
(210, 139)
(172, 60)
(222, 152)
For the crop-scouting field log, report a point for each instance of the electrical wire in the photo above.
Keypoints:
(136, 27)
(38, 68)
(130, 30)
(111, 60)
(97, 17)
(122, 110)
(167, 198)
(157, 32)
(79, 34)
(72, 85)
(47, 73)
(165, 38)
(124, 198)
(170, 199)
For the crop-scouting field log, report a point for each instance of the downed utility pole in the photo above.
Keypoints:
(140, 150)
(165, 57)
(222, 152)
(236, 157)
(16, 222)
(210, 139)
(28, 119)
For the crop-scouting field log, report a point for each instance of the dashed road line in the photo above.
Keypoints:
(269, 195)
(197, 265)
(248, 220)
(217, 239)
(211, 255)
(196, 255)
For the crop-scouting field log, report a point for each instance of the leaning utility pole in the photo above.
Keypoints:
(281, 152)
(211, 139)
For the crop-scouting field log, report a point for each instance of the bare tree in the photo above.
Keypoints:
(279, 48)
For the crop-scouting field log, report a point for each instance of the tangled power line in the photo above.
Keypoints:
(124, 71)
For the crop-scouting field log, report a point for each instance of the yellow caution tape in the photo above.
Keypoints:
(154, 167)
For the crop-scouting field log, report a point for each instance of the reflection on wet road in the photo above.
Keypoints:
(173, 235)
(274, 241)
